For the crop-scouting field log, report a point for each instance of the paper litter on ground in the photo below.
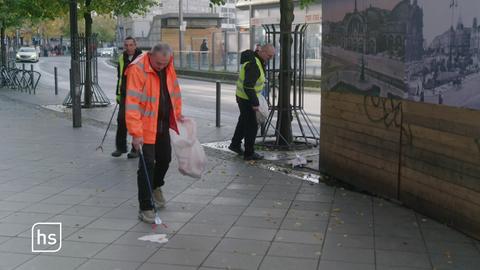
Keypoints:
(156, 238)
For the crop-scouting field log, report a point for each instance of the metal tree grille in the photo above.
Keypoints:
(309, 134)
(99, 99)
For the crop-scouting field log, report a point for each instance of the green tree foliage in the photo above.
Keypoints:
(14, 13)
(104, 26)
(123, 8)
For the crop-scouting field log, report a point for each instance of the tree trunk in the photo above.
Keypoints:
(75, 67)
(3, 48)
(88, 55)
(284, 123)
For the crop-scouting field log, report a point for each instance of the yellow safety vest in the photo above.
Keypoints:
(258, 85)
(121, 64)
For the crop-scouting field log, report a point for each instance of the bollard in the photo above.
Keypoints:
(23, 66)
(31, 81)
(218, 104)
(72, 86)
(56, 80)
(76, 102)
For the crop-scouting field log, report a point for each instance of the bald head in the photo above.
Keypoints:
(266, 52)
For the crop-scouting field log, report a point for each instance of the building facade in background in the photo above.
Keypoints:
(228, 30)
(147, 27)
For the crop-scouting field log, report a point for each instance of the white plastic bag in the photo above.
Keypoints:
(190, 155)
(262, 113)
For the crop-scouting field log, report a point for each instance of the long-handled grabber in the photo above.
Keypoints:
(158, 221)
(106, 131)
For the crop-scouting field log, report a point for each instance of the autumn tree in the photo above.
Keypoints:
(17, 12)
(106, 7)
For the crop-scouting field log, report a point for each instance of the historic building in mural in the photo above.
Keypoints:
(396, 33)
(461, 41)
(449, 70)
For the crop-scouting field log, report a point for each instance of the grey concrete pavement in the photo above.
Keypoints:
(236, 217)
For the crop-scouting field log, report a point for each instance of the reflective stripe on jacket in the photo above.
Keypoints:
(143, 98)
(258, 85)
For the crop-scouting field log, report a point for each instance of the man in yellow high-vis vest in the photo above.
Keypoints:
(250, 84)
(129, 54)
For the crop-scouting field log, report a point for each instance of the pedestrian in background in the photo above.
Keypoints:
(130, 53)
(250, 84)
(204, 51)
(153, 107)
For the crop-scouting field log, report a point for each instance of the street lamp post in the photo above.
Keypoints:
(75, 67)
(180, 32)
(252, 29)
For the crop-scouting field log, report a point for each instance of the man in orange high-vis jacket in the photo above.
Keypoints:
(153, 106)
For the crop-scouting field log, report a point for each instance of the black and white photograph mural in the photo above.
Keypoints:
(366, 44)
(420, 50)
(449, 69)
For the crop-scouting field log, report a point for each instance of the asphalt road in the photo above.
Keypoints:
(198, 96)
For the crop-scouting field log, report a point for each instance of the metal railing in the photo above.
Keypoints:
(19, 79)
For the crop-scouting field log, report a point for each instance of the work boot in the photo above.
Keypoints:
(133, 154)
(236, 149)
(118, 153)
(158, 197)
(147, 216)
(253, 156)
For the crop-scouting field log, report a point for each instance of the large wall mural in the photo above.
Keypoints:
(420, 50)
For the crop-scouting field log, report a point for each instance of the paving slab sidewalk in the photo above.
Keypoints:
(236, 217)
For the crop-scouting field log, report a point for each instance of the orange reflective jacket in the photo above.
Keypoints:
(143, 97)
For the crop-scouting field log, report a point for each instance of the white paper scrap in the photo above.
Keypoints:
(156, 238)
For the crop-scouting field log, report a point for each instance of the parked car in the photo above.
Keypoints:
(107, 52)
(27, 54)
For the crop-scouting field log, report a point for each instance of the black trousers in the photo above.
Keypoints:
(157, 158)
(247, 127)
(121, 137)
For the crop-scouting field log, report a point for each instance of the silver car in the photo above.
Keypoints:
(107, 52)
(27, 54)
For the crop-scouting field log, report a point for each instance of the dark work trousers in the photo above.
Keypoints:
(157, 157)
(121, 137)
(247, 127)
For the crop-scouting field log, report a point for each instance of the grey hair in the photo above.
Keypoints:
(162, 48)
(268, 46)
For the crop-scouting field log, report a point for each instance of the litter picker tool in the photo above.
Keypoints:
(106, 131)
(158, 221)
